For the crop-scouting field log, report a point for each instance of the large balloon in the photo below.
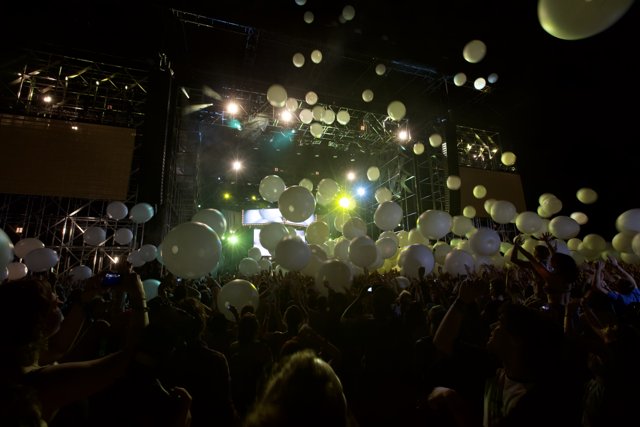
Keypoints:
(564, 227)
(503, 211)
(336, 274)
(271, 187)
(579, 19)
(277, 94)
(123, 236)
(485, 241)
(414, 257)
(474, 51)
(292, 253)
(363, 251)
(528, 222)
(383, 194)
(117, 210)
(434, 224)
(387, 215)
(317, 232)
(150, 288)
(271, 234)
(6, 249)
(24, 246)
(248, 267)
(296, 203)
(629, 220)
(80, 273)
(255, 253)
(191, 250)
(16, 270)
(42, 259)
(213, 218)
(94, 236)
(148, 252)
(387, 247)
(328, 188)
(354, 227)
(457, 262)
(373, 173)
(237, 293)
(141, 213)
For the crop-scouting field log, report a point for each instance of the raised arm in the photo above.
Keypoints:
(622, 271)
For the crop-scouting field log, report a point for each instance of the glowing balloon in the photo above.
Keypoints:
(594, 242)
(237, 293)
(292, 253)
(453, 182)
(503, 211)
(16, 270)
(396, 110)
(461, 225)
(354, 227)
(340, 219)
(213, 218)
(277, 94)
(387, 215)
(479, 83)
(298, 61)
(629, 220)
(311, 98)
(306, 116)
(150, 287)
(587, 196)
(418, 148)
(381, 69)
(308, 17)
(413, 257)
(387, 247)
(24, 246)
(373, 173)
(328, 117)
(435, 140)
(343, 117)
(363, 251)
(459, 79)
(341, 250)
(458, 261)
(474, 51)
(493, 77)
(291, 104)
(148, 252)
(117, 210)
(564, 227)
(336, 274)
(191, 250)
(317, 232)
(316, 56)
(306, 183)
(367, 95)
(580, 217)
(348, 12)
(508, 158)
(440, 251)
(328, 187)
(271, 187)
(576, 19)
(469, 211)
(479, 191)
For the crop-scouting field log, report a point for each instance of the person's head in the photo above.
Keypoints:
(293, 318)
(497, 288)
(527, 336)
(30, 313)
(624, 285)
(248, 328)
(383, 298)
(541, 252)
(302, 391)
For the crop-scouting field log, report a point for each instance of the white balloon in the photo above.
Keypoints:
(237, 293)
(418, 148)
(191, 250)
(343, 117)
(469, 211)
(440, 251)
(123, 236)
(528, 222)
(265, 264)
(150, 288)
(328, 117)
(383, 194)
(354, 227)
(311, 97)
(580, 217)
(292, 253)
(317, 232)
(415, 256)
(629, 220)
(271, 234)
(277, 94)
(296, 203)
(341, 250)
(348, 12)
(387, 247)
(381, 69)
(308, 17)
(340, 220)
(387, 215)
(255, 253)
(271, 187)
(503, 211)
(213, 218)
(461, 225)
(458, 261)
(453, 182)
(485, 242)
(594, 242)
(306, 116)
(316, 56)
(492, 78)
(94, 236)
(6, 249)
(564, 227)
(248, 267)
(336, 274)
(508, 158)
(434, 224)
(42, 259)
(16, 270)
(479, 191)
(396, 110)
(141, 213)
(24, 246)
(373, 173)
(291, 104)
(306, 183)
(328, 187)
(148, 252)
(117, 210)
(298, 61)
(316, 129)
(367, 95)
(459, 79)
(474, 51)
(363, 251)
(135, 259)
(586, 195)
(575, 20)
(80, 273)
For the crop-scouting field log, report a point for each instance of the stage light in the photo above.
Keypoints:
(233, 239)
(403, 135)
(226, 196)
(286, 116)
(235, 124)
(184, 92)
(233, 107)
(237, 165)
(47, 99)
(361, 191)
(345, 202)
(351, 175)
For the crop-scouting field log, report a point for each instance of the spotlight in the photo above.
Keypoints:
(351, 175)
(233, 108)
(47, 99)
(361, 191)
(237, 165)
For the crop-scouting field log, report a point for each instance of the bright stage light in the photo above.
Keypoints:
(345, 202)
(351, 175)
(47, 99)
(226, 196)
(403, 135)
(233, 108)
(233, 239)
(237, 165)
(286, 116)
(361, 191)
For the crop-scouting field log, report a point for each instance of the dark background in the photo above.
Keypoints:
(566, 108)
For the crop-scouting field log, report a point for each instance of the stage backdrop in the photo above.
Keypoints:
(49, 157)
(499, 185)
